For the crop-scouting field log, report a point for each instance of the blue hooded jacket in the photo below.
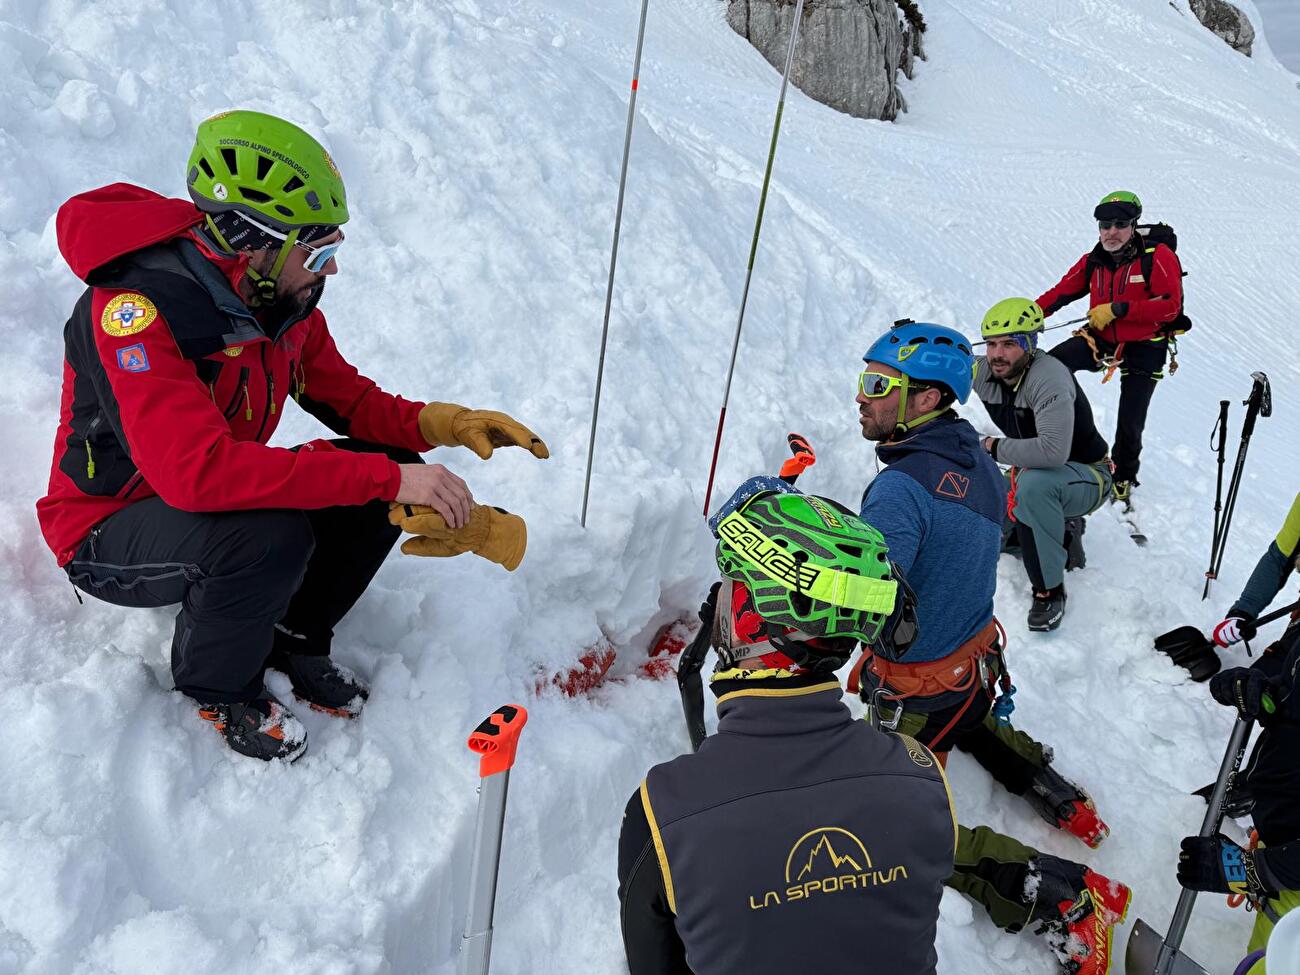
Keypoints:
(940, 504)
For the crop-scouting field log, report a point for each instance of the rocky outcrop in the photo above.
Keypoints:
(849, 52)
(1227, 21)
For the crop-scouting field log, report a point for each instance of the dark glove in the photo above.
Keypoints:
(1247, 690)
(1218, 865)
(492, 533)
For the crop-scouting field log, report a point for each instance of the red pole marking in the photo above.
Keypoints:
(634, 84)
(713, 468)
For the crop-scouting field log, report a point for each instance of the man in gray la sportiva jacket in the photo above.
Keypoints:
(797, 838)
(1060, 470)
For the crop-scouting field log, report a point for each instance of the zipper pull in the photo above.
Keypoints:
(273, 396)
(212, 391)
(90, 461)
(248, 403)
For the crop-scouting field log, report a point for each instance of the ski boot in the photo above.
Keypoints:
(1065, 805)
(1048, 610)
(1074, 555)
(319, 682)
(262, 728)
(1078, 910)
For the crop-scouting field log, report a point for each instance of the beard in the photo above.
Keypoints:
(293, 306)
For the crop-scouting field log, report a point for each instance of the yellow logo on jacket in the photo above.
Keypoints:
(236, 351)
(127, 314)
(827, 860)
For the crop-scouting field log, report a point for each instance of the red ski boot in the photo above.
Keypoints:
(1090, 921)
(1065, 805)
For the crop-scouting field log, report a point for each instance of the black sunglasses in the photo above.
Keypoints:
(1117, 224)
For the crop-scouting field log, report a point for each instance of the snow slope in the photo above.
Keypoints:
(480, 141)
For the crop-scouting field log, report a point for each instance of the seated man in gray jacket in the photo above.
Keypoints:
(1058, 460)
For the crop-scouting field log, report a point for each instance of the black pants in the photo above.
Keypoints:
(237, 574)
(1142, 367)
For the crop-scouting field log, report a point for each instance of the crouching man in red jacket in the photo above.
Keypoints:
(198, 324)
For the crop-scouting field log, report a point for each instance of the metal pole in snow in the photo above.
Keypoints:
(613, 258)
(496, 740)
(753, 250)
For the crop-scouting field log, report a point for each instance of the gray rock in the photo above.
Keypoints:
(849, 51)
(1227, 21)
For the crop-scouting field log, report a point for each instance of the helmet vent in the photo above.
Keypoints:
(263, 167)
(257, 196)
(280, 207)
(207, 168)
(231, 163)
(335, 202)
(294, 184)
(853, 552)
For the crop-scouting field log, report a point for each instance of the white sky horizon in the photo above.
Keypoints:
(1282, 28)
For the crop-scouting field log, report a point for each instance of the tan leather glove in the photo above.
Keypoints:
(452, 425)
(493, 533)
(1101, 316)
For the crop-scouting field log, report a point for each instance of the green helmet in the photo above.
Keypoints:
(815, 567)
(267, 168)
(1119, 205)
(1012, 316)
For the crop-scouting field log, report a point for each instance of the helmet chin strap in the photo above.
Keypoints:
(904, 425)
(263, 284)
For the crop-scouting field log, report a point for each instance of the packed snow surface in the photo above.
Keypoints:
(480, 141)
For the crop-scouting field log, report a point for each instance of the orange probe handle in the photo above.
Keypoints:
(497, 738)
(803, 456)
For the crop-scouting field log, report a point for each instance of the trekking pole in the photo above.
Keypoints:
(613, 257)
(1259, 403)
(1147, 953)
(753, 250)
(1221, 430)
(496, 740)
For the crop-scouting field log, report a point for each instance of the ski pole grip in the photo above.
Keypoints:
(497, 738)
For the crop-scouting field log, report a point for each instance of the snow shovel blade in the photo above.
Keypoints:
(1188, 648)
(1143, 954)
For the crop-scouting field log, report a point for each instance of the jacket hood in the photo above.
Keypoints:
(98, 226)
(949, 437)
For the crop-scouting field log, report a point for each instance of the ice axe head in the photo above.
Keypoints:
(1147, 954)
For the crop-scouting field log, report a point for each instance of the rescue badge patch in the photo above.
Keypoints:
(133, 358)
(127, 314)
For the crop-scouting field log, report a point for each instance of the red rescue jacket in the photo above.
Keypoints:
(1150, 304)
(172, 388)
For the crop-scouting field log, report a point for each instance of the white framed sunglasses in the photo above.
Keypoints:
(317, 257)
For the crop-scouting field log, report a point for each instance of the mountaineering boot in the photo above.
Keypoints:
(321, 683)
(1074, 556)
(1065, 805)
(262, 728)
(1048, 609)
(1121, 493)
(1078, 910)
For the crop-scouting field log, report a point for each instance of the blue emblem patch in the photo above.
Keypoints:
(133, 358)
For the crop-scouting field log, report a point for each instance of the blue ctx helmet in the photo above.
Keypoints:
(927, 353)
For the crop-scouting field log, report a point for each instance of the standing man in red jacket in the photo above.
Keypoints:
(1126, 316)
(198, 324)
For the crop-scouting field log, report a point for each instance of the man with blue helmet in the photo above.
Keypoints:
(1060, 469)
(939, 503)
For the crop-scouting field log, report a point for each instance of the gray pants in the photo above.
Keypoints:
(1045, 497)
